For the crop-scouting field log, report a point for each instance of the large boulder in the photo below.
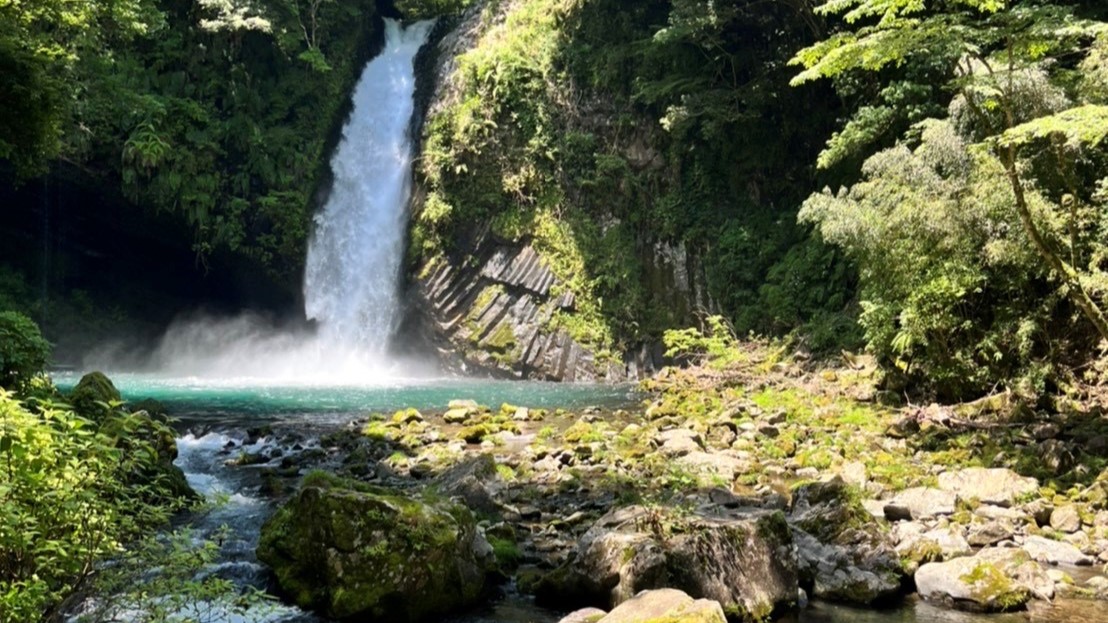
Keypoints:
(993, 580)
(920, 503)
(844, 555)
(665, 604)
(350, 551)
(744, 560)
(998, 486)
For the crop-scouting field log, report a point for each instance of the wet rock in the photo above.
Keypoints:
(997, 486)
(153, 445)
(920, 503)
(1065, 519)
(348, 551)
(665, 604)
(1055, 552)
(993, 580)
(742, 559)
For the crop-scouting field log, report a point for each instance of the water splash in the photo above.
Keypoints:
(353, 266)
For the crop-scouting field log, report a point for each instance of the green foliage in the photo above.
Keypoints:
(978, 237)
(221, 113)
(427, 9)
(595, 130)
(66, 501)
(23, 351)
(716, 343)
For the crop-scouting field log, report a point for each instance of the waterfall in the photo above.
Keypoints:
(352, 273)
(354, 256)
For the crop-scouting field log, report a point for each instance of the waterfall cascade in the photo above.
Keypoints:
(353, 265)
(352, 275)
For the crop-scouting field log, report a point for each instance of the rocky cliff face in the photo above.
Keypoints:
(504, 299)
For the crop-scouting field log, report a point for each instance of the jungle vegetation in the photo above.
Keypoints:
(923, 179)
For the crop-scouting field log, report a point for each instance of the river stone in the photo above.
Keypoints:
(1065, 518)
(989, 533)
(849, 557)
(998, 486)
(950, 542)
(678, 442)
(349, 551)
(1055, 552)
(584, 615)
(920, 503)
(663, 605)
(475, 482)
(709, 466)
(740, 558)
(993, 580)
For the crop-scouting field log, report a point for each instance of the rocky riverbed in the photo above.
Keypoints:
(758, 488)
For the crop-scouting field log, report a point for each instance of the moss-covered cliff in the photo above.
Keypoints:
(593, 173)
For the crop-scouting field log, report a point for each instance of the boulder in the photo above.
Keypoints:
(92, 392)
(584, 615)
(715, 466)
(664, 605)
(1065, 518)
(849, 557)
(920, 503)
(348, 550)
(475, 482)
(678, 442)
(994, 580)
(990, 533)
(1055, 552)
(742, 559)
(997, 486)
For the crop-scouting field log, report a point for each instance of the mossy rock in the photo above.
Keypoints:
(355, 552)
(91, 395)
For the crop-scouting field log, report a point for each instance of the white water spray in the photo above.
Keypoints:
(351, 281)
(353, 266)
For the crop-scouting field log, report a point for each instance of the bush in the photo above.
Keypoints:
(952, 295)
(67, 499)
(23, 350)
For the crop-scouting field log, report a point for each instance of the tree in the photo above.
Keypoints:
(1016, 93)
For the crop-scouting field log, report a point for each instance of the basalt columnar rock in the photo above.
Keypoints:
(511, 298)
(743, 559)
(351, 551)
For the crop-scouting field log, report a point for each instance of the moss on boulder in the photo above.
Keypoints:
(92, 393)
(351, 551)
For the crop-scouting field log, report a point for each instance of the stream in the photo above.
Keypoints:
(219, 420)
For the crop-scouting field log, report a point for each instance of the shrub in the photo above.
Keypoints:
(23, 350)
